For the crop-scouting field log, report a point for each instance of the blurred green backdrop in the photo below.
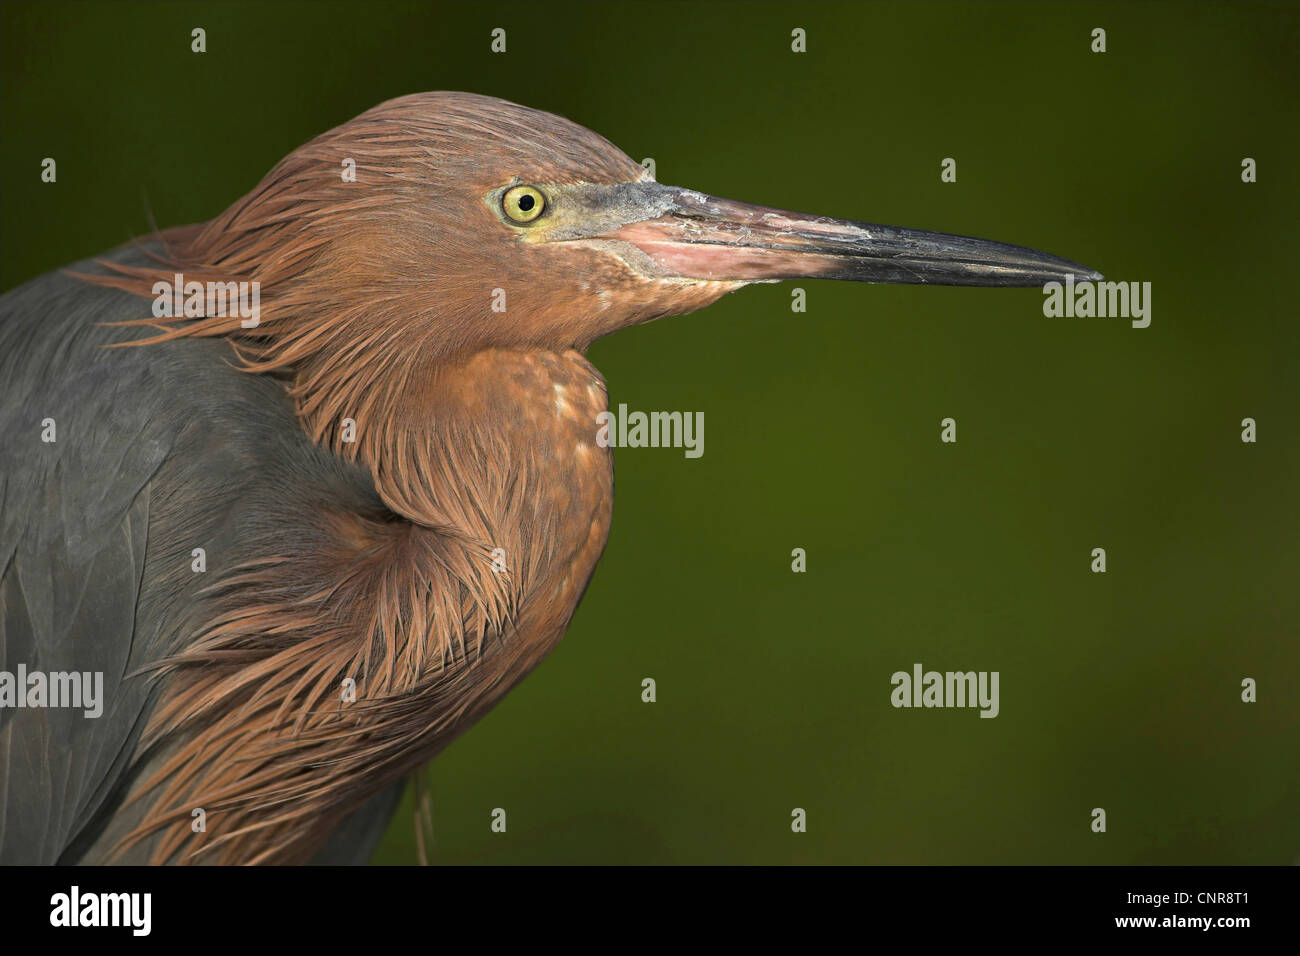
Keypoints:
(1118, 690)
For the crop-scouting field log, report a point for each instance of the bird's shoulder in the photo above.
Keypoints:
(117, 467)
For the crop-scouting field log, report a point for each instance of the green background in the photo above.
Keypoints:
(1118, 690)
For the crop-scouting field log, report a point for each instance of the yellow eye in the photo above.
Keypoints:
(523, 204)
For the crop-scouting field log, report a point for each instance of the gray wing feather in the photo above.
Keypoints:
(159, 449)
(74, 518)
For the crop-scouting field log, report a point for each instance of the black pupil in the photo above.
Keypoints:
(526, 202)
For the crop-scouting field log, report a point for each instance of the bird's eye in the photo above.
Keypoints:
(523, 204)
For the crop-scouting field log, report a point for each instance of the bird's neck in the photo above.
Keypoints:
(495, 466)
(502, 501)
(499, 450)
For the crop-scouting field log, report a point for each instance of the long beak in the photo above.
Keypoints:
(703, 237)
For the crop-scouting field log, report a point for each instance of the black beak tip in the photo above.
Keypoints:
(1079, 272)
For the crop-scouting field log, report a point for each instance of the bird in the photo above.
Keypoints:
(308, 544)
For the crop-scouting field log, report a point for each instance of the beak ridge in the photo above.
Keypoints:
(704, 237)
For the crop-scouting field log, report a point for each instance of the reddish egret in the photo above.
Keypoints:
(310, 528)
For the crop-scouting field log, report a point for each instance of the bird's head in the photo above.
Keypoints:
(439, 225)
(506, 226)
(470, 222)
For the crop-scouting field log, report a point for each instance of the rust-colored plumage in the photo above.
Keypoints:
(367, 328)
(477, 428)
